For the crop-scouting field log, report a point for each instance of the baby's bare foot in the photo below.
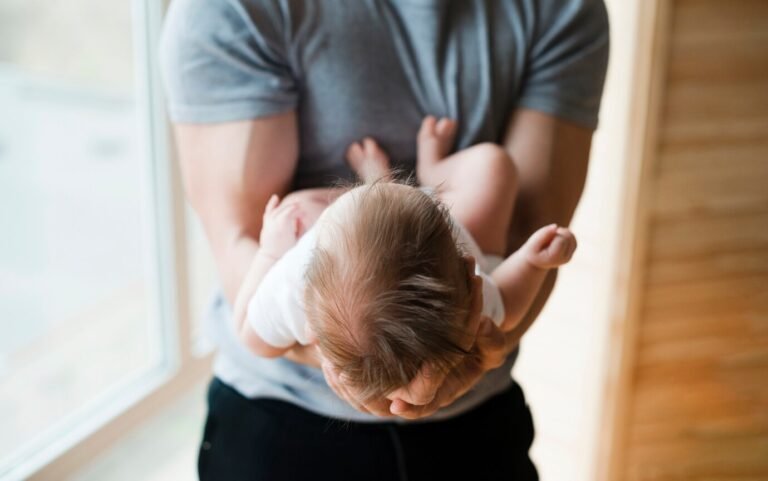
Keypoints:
(435, 139)
(368, 160)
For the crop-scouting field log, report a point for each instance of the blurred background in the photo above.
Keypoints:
(649, 362)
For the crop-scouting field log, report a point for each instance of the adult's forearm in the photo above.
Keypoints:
(512, 338)
(259, 267)
(304, 355)
(229, 171)
(232, 271)
(234, 263)
(552, 156)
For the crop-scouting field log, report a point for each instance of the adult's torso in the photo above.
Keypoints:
(376, 68)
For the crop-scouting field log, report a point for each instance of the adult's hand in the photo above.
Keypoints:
(378, 407)
(428, 393)
(431, 389)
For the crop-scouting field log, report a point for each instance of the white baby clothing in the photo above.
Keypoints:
(276, 311)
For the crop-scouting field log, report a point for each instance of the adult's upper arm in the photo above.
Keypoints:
(549, 134)
(232, 95)
(551, 156)
(229, 171)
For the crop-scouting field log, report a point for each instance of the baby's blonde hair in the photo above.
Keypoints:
(389, 290)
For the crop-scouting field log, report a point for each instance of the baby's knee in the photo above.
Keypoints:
(497, 163)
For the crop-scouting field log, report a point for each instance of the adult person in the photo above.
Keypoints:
(267, 95)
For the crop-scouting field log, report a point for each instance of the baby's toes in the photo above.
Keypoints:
(446, 129)
(376, 156)
(427, 129)
(355, 154)
(372, 149)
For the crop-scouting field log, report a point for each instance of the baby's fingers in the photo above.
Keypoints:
(551, 246)
(560, 249)
(272, 204)
(569, 239)
(286, 212)
(543, 237)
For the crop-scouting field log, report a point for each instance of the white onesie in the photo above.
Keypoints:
(276, 311)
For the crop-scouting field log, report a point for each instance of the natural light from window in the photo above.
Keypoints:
(78, 326)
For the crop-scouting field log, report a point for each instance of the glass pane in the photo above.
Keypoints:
(202, 281)
(77, 324)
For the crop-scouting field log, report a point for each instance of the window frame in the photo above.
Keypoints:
(166, 245)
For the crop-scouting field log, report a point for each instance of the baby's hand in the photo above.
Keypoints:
(550, 246)
(280, 228)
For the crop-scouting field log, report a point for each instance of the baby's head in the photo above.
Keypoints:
(388, 288)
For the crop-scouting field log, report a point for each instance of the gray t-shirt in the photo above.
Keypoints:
(356, 68)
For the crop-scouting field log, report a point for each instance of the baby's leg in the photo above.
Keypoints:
(478, 184)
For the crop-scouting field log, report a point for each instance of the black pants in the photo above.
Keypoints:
(271, 440)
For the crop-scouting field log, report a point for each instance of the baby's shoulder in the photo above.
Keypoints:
(465, 240)
(292, 266)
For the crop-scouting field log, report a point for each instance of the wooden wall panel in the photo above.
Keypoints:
(697, 407)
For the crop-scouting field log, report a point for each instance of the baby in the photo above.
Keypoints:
(384, 281)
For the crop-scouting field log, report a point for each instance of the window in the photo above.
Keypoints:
(90, 303)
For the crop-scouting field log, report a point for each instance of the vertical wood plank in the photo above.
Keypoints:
(691, 391)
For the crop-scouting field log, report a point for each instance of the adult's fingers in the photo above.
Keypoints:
(490, 345)
(332, 378)
(464, 378)
(489, 352)
(456, 384)
(422, 388)
(476, 291)
(379, 407)
(337, 383)
(408, 411)
(470, 263)
(476, 304)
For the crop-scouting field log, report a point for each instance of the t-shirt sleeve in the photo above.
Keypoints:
(568, 60)
(222, 62)
(493, 303)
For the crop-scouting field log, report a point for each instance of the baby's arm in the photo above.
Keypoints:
(521, 275)
(279, 232)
